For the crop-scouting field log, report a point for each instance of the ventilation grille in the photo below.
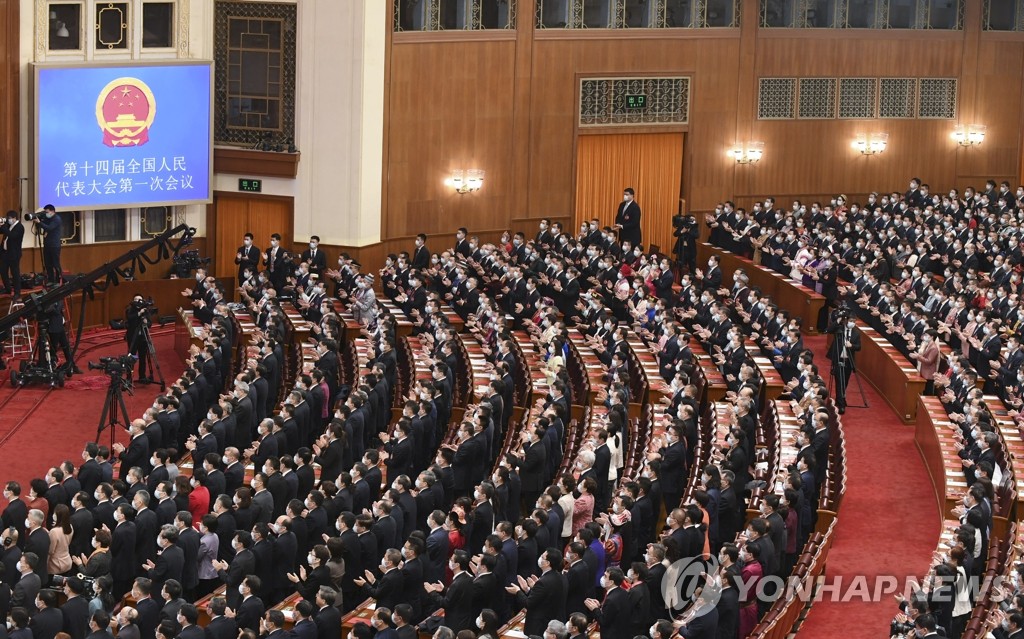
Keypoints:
(857, 97)
(936, 98)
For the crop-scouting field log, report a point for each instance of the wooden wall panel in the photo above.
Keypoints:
(10, 95)
(530, 86)
(231, 216)
(450, 108)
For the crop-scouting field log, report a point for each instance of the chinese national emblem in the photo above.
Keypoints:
(125, 111)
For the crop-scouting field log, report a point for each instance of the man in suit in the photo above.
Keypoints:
(170, 559)
(27, 587)
(315, 257)
(37, 542)
(243, 564)
(437, 546)
(75, 609)
(545, 599)
(188, 616)
(147, 607)
(420, 256)
(137, 452)
(274, 261)
(613, 613)
(16, 510)
(220, 626)
(247, 257)
(305, 627)
(125, 625)
(389, 590)
(250, 610)
(627, 219)
(532, 464)
(49, 620)
(579, 581)
(13, 233)
(327, 616)
(457, 601)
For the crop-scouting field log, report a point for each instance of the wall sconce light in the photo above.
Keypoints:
(466, 181)
(871, 143)
(746, 152)
(969, 134)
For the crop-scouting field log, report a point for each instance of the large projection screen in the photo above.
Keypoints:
(122, 135)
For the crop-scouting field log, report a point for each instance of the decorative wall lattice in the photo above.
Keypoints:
(776, 98)
(817, 98)
(226, 12)
(603, 101)
(896, 97)
(936, 98)
(857, 97)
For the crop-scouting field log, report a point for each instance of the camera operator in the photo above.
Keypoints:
(57, 333)
(845, 343)
(50, 225)
(13, 233)
(136, 317)
(685, 231)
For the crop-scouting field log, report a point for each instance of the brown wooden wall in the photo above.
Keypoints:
(508, 107)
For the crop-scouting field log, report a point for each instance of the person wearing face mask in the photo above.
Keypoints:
(457, 600)
(234, 575)
(627, 219)
(927, 358)
(275, 261)
(614, 613)
(544, 599)
(13, 234)
(389, 589)
(315, 257)
(247, 257)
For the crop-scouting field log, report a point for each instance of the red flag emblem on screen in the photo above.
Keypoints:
(125, 111)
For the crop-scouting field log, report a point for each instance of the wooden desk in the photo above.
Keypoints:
(793, 296)
(361, 614)
(893, 375)
(934, 438)
(188, 332)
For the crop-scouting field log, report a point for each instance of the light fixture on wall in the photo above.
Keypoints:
(969, 134)
(871, 143)
(746, 152)
(466, 181)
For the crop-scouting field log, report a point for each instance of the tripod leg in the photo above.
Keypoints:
(103, 416)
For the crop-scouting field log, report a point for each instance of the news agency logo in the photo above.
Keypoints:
(691, 579)
(696, 583)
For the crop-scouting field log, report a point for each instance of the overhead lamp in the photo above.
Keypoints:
(746, 152)
(969, 134)
(871, 143)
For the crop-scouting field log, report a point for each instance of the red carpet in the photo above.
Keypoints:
(888, 521)
(40, 428)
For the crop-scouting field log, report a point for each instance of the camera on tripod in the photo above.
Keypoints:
(114, 365)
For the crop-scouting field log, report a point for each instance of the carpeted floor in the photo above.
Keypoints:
(888, 521)
(39, 428)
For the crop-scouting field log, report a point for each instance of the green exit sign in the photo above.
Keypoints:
(250, 185)
(636, 101)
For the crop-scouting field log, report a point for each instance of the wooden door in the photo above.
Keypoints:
(234, 215)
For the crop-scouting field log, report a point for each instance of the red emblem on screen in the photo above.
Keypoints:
(125, 111)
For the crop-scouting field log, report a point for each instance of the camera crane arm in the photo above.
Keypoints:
(109, 274)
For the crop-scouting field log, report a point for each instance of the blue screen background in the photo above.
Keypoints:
(179, 139)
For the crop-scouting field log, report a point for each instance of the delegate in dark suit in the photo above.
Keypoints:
(628, 217)
(545, 601)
